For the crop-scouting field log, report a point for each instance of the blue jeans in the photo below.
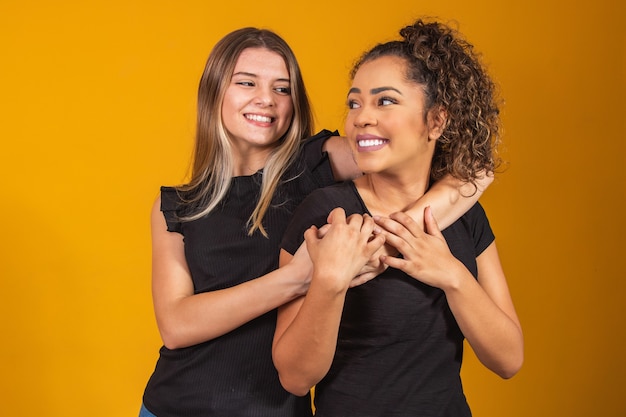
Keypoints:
(144, 412)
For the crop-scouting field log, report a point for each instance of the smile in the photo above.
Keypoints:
(367, 143)
(259, 118)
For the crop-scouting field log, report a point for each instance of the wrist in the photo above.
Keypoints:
(457, 277)
(299, 278)
(329, 282)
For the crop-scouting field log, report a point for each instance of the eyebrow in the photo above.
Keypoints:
(244, 73)
(374, 91)
(250, 74)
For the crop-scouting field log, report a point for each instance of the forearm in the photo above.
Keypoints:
(495, 336)
(306, 331)
(304, 352)
(449, 199)
(342, 161)
(196, 318)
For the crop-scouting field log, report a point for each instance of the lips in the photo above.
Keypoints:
(366, 143)
(370, 143)
(259, 118)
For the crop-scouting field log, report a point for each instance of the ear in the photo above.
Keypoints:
(437, 122)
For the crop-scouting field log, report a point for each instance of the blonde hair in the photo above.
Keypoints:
(213, 159)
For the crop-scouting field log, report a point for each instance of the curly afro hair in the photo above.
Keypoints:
(454, 80)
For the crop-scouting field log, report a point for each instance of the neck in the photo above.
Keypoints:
(385, 194)
(247, 163)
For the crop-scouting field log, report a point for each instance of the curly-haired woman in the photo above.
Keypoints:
(419, 108)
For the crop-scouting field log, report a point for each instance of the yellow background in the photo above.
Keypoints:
(97, 110)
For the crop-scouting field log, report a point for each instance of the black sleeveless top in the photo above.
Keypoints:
(399, 348)
(233, 375)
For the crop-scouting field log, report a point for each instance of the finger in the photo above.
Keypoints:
(393, 227)
(391, 238)
(432, 227)
(355, 220)
(369, 226)
(408, 222)
(321, 232)
(398, 242)
(362, 279)
(374, 245)
(393, 262)
(337, 214)
(310, 235)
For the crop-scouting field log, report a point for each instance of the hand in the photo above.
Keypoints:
(426, 255)
(374, 265)
(346, 246)
(303, 267)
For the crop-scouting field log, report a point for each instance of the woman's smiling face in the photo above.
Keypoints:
(386, 124)
(257, 107)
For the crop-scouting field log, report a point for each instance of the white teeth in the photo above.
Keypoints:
(370, 142)
(258, 118)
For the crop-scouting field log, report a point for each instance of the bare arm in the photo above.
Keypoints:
(341, 160)
(307, 328)
(185, 318)
(486, 315)
(482, 308)
(449, 197)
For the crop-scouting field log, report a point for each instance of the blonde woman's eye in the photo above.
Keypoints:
(245, 83)
(283, 90)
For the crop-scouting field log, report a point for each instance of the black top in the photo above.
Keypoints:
(399, 348)
(233, 375)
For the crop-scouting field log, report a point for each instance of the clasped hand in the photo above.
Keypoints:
(341, 249)
(352, 251)
(425, 253)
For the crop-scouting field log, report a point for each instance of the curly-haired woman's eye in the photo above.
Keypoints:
(352, 104)
(386, 101)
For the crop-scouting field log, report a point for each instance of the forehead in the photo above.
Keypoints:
(261, 61)
(383, 70)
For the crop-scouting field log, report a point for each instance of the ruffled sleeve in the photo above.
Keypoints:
(316, 160)
(170, 204)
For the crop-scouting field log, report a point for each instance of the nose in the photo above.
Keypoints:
(364, 117)
(264, 97)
